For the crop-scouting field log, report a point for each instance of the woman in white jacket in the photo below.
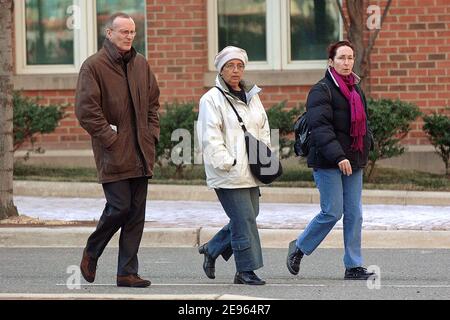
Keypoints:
(226, 165)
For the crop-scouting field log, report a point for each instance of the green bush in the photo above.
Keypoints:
(175, 116)
(390, 123)
(183, 116)
(31, 118)
(283, 120)
(438, 129)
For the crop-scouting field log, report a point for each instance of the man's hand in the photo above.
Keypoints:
(345, 167)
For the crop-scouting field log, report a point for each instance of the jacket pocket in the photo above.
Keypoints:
(240, 245)
(117, 158)
(148, 147)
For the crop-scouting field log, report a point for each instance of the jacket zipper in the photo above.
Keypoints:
(139, 151)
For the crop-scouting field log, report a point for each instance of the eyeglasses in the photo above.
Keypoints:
(231, 66)
(126, 33)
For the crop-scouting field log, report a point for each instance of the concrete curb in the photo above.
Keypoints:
(202, 193)
(192, 237)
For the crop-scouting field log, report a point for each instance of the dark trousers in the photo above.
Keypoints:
(125, 210)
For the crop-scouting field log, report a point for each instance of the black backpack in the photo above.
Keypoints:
(302, 132)
(302, 136)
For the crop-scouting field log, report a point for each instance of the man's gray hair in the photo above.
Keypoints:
(110, 21)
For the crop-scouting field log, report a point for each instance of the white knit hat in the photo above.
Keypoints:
(230, 53)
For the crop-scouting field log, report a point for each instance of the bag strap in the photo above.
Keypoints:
(328, 89)
(241, 123)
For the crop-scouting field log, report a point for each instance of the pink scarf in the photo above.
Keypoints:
(358, 115)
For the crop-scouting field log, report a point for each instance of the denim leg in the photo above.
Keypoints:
(352, 222)
(240, 205)
(220, 244)
(329, 183)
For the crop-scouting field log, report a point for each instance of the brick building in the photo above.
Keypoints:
(286, 41)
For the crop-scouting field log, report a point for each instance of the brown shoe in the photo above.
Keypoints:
(132, 280)
(88, 267)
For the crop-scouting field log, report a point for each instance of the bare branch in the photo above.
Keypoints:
(344, 19)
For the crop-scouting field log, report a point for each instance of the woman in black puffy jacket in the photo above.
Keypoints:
(340, 144)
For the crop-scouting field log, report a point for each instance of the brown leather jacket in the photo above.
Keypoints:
(118, 109)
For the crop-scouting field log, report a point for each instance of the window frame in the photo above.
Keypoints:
(85, 40)
(278, 48)
(272, 42)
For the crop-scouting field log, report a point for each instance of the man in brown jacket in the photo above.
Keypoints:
(116, 103)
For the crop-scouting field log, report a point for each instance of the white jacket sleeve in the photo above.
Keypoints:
(211, 136)
(264, 128)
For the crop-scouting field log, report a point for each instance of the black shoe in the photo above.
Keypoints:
(209, 264)
(294, 258)
(248, 277)
(358, 273)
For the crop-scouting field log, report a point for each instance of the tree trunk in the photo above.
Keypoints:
(355, 28)
(356, 11)
(7, 208)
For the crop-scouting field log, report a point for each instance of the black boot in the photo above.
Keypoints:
(294, 258)
(209, 264)
(358, 273)
(248, 277)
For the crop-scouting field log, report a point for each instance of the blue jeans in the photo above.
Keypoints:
(339, 194)
(240, 236)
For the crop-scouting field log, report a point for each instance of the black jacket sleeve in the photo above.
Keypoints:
(320, 121)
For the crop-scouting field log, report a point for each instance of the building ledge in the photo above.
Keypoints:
(261, 78)
(274, 78)
(45, 81)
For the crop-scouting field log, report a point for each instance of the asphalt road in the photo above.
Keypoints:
(404, 274)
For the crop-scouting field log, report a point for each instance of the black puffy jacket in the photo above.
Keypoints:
(328, 117)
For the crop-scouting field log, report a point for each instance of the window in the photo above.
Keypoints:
(277, 34)
(313, 25)
(243, 22)
(57, 36)
(48, 40)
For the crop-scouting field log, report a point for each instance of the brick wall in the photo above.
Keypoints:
(177, 46)
(411, 58)
(410, 61)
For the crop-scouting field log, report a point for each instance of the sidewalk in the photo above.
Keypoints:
(201, 193)
(70, 236)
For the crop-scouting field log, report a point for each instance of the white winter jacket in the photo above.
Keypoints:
(221, 139)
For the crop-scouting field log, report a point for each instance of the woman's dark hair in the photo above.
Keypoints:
(332, 49)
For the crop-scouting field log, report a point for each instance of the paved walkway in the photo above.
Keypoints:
(201, 193)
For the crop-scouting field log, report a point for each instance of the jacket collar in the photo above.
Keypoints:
(114, 54)
(328, 74)
(250, 89)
